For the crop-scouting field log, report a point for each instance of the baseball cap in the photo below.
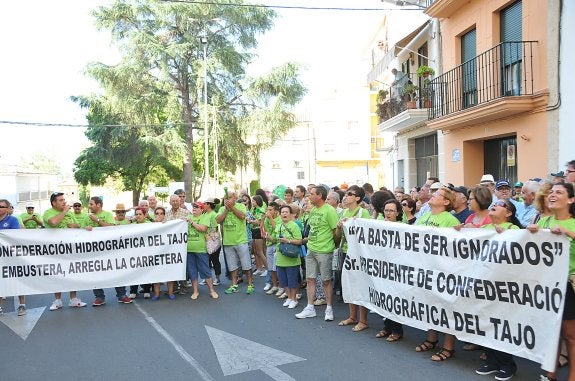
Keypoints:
(487, 179)
(435, 186)
(518, 184)
(199, 204)
(54, 195)
(29, 205)
(461, 189)
(558, 174)
(502, 183)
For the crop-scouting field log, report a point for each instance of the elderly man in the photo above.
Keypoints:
(80, 216)
(528, 211)
(488, 181)
(182, 195)
(570, 172)
(235, 241)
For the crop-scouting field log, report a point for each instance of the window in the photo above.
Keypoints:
(511, 54)
(276, 165)
(468, 68)
(426, 154)
(297, 164)
(329, 148)
(301, 175)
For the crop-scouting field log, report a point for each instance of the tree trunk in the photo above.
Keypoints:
(187, 117)
(135, 197)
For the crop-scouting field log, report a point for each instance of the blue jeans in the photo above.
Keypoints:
(120, 293)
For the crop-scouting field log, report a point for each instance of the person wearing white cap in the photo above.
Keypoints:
(489, 182)
(30, 219)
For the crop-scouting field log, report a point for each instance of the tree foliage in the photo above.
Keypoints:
(160, 79)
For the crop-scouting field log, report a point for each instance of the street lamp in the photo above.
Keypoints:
(204, 41)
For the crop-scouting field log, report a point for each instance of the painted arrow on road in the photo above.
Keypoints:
(22, 325)
(239, 355)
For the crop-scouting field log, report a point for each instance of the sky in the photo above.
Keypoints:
(47, 45)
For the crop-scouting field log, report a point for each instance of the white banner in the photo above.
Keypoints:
(503, 291)
(52, 260)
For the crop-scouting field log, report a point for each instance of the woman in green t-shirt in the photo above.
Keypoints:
(561, 203)
(441, 203)
(287, 268)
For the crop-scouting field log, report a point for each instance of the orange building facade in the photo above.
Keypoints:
(494, 100)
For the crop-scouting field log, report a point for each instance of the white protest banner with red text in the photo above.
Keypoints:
(53, 260)
(503, 291)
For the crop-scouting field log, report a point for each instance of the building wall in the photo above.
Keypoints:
(536, 131)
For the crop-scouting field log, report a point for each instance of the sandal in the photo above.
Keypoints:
(563, 360)
(426, 346)
(348, 321)
(360, 327)
(382, 334)
(394, 337)
(443, 354)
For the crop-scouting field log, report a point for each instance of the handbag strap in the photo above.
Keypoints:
(289, 231)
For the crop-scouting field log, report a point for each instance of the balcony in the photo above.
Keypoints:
(402, 106)
(496, 84)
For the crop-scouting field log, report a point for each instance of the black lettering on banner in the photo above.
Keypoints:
(177, 238)
(25, 271)
(155, 240)
(360, 235)
(468, 323)
(518, 334)
(411, 240)
(347, 263)
(435, 245)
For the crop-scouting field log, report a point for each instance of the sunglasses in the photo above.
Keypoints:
(404, 204)
(351, 194)
(501, 203)
(3, 207)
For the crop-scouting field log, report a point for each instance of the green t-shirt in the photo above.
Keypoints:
(83, 219)
(441, 220)
(125, 221)
(31, 224)
(234, 229)
(358, 212)
(549, 223)
(270, 230)
(68, 218)
(322, 221)
(211, 217)
(105, 216)
(197, 239)
(292, 231)
(258, 214)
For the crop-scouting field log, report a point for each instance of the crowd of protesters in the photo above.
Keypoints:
(293, 238)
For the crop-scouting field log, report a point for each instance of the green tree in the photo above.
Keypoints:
(136, 155)
(162, 55)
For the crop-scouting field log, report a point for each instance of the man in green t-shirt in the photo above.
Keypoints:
(30, 219)
(81, 216)
(101, 218)
(322, 220)
(59, 216)
(235, 240)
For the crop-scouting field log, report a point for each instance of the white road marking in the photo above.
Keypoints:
(22, 325)
(181, 351)
(239, 355)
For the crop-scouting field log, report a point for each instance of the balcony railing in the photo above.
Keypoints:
(397, 100)
(503, 71)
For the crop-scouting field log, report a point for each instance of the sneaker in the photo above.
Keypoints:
(100, 302)
(328, 314)
(132, 296)
(250, 289)
(279, 291)
(216, 282)
(124, 299)
(487, 369)
(232, 289)
(1, 312)
(147, 295)
(264, 273)
(21, 310)
(202, 282)
(257, 272)
(504, 375)
(154, 298)
(298, 296)
(286, 303)
(283, 296)
(273, 290)
(267, 287)
(319, 302)
(308, 312)
(76, 302)
(293, 304)
(172, 297)
(56, 305)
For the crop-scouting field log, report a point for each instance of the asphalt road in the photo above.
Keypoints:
(239, 337)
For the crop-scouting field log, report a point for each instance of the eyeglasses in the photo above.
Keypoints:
(404, 204)
(569, 170)
(29, 207)
(351, 194)
(120, 212)
(390, 211)
(471, 198)
(77, 206)
(3, 207)
(502, 204)
(160, 213)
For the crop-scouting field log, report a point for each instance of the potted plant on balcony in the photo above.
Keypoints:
(425, 71)
(409, 93)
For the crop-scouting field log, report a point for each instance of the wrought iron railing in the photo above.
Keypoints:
(506, 70)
